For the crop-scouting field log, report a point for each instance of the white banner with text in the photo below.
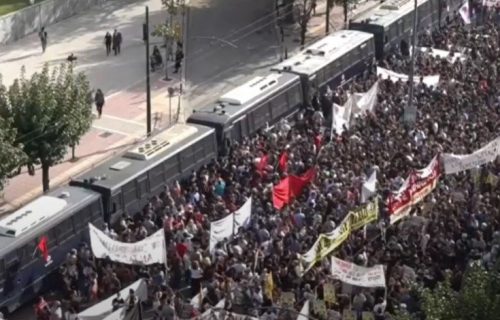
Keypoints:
(358, 276)
(145, 252)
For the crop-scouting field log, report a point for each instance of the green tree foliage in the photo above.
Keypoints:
(51, 111)
(478, 298)
(11, 153)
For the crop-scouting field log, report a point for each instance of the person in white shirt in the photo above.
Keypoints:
(379, 309)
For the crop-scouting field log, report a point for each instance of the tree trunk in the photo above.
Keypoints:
(303, 31)
(346, 11)
(45, 176)
(166, 59)
(73, 152)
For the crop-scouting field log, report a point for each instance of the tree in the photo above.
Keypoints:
(167, 30)
(80, 116)
(169, 35)
(305, 14)
(478, 298)
(50, 112)
(11, 153)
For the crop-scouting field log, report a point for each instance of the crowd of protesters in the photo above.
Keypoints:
(457, 223)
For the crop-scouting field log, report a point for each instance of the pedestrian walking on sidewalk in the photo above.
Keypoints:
(43, 38)
(108, 39)
(117, 42)
(99, 102)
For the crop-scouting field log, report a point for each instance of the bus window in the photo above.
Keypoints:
(156, 177)
(129, 193)
(27, 253)
(2, 270)
(52, 238)
(261, 116)
(172, 167)
(65, 230)
(279, 105)
(116, 202)
(294, 96)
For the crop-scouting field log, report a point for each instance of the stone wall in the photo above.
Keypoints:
(18, 24)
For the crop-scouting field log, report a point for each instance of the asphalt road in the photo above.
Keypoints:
(229, 42)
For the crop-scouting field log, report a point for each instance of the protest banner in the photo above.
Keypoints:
(364, 215)
(287, 299)
(464, 12)
(327, 242)
(304, 312)
(329, 293)
(394, 77)
(443, 54)
(356, 275)
(145, 252)
(319, 307)
(348, 315)
(369, 187)
(366, 102)
(491, 3)
(226, 227)
(418, 185)
(454, 163)
(104, 308)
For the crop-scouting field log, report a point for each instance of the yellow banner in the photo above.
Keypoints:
(319, 307)
(364, 215)
(269, 285)
(327, 242)
(329, 293)
(287, 299)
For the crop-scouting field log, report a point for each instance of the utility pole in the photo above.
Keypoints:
(148, 82)
(410, 112)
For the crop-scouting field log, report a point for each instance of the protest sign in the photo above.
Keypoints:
(329, 293)
(364, 215)
(454, 163)
(394, 77)
(105, 308)
(418, 185)
(229, 225)
(327, 242)
(304, 312)
(369, 187)
(145, 252)
(287, 299)
(319, 307)
(356, 275)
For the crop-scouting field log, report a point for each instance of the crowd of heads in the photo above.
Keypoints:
(457, 223)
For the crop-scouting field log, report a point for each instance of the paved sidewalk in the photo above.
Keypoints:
(122, 78)
(316, 26)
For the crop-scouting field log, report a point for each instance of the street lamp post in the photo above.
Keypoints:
(410, 111)
(148, 81)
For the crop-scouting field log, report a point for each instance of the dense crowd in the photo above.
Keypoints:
(457, 223)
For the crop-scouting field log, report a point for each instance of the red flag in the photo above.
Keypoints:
(291, 187)
(283, 161)
(44, 249)
(297, 184)
(281, 193)
(262, 164)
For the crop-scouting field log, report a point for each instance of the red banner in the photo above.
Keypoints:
(418, 185)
